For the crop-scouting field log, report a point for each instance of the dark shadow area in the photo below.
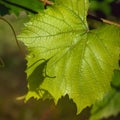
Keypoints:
(66, 109)
(37, 76)
(85, 114)
(115, 83)
(3, 10)
(112, 118)
(116, 8)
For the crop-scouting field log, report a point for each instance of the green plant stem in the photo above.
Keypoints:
(3, 19)
(20, 6)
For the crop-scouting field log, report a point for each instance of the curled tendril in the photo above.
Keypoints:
(1, 18)
(46, 75)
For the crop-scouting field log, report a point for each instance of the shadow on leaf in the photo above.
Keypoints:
(37, 76)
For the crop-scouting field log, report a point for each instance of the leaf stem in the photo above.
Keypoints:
(103, 20)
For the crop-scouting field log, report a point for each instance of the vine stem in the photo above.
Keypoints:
(20, 6)
(103, 20)
(110, 22)
(1, 18)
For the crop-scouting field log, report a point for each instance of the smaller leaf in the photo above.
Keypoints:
(110, 105)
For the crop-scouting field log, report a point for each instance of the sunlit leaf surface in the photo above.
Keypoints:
(65, 57)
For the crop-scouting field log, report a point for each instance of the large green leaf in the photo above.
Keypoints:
(65, 57)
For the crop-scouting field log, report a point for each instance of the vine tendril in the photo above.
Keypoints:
(1, 18)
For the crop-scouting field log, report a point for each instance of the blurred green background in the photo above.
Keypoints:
(13, 81)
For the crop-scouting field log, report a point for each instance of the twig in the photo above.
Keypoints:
(110, 22)
(103, 20)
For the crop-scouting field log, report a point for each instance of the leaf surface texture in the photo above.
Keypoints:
(65, 57)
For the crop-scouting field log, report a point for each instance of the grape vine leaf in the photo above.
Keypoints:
(110, 105)
(65, 57)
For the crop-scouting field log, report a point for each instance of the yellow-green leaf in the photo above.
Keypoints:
(65, 57)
